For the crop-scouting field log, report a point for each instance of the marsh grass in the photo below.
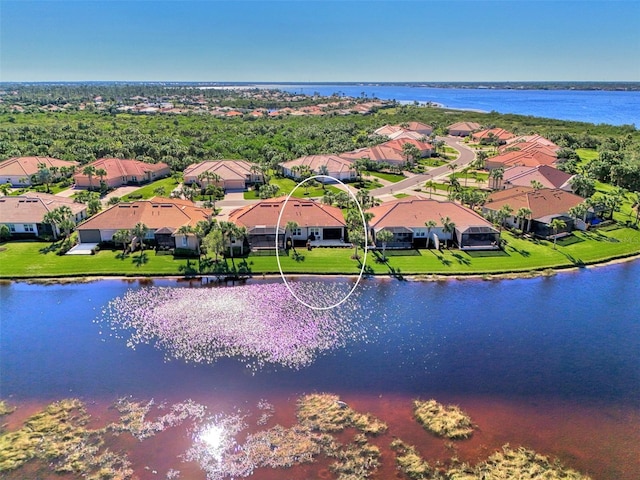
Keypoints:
(410, 462)
(443, 420)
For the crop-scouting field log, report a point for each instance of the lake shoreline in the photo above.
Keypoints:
(419, 277)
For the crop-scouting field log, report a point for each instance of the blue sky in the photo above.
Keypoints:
(319, 41)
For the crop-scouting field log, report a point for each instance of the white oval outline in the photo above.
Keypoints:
(364, 261)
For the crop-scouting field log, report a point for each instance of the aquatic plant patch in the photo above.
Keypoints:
(443, 420)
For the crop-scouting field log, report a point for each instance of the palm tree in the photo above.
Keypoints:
(431, 186)
(5, 188)
(101, 172)
(209, 177)
(430, 224)
(187, 231)
(324, 170)
(504, 213)
(214, 242)
(556, 224)
(140, 232)
(291, 227)
(523, 214)
(496, 175)
(448, 227)
(384, 237)
(44, 175)
(122, 236)
(454, 185)
(536, 185)
(52, 219)
(89, 171)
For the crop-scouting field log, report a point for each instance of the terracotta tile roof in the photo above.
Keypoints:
(498, 133)
(469, 126)
(334, 163)
(154, 213)
(398, 143)
(419, 127)
(542, 203)
(379, 153)
(532, 139)
(548, 176)
(306, 213)
(117, 168)
(27, 166)
(227, 169)
(32, 208)
(413, 212)
(529, 158)
(387, 130)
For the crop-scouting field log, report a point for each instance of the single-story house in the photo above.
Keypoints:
(24, 214)
(463, 129)
(545, 204)
(18, 170)
(121, 172)
(390, 152)
(547, 176)
(492, 135)
(336, 166)
(162, 216)
(532, 157)
(393, 131)
(523, 141)
(321, 224)
(233, 174)
(406, 219)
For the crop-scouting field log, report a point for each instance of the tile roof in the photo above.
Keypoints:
(334, 163)
(548, 176)
(117, 167)
(535, 139)
(155, 213)
(27, 166)
(530, 158)
(542, 203)
(226, 169)
(306, 213)
(32, 207)
(413, 212)
(499, 133)
(470, 126)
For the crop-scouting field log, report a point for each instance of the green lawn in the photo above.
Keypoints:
(287, 185)
(147, 191)
(389, 177)
(31, 259)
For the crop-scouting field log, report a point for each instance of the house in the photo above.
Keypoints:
(321, 224)
(24, 214)
(393, 131)
(523, 141)
(545, 204)
(390, 152)
(545, 175)
(162, 216)
(233, 174)
(531, 157)
(463, 129)
(406, 219)
(335, 165)
(121, 172)
(489, 136)
(18, 170)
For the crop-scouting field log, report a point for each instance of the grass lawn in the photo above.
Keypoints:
(35, 259)
(389, 177)
(432, 162)
(401, 195)
(147, 191)
(287, 185)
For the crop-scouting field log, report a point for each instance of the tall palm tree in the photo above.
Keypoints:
(504, 213)
(140, 232)
(448, 227)
(556, 224)
(101, 173)
(431, 186)
(384, 237)
(89, 171)
(496, 175)
(122, 236)
(430, 224)
(291, 227)
(523, 214)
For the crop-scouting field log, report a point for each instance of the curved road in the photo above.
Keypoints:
(467, 156)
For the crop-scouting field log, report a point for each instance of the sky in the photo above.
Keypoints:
(319, 41)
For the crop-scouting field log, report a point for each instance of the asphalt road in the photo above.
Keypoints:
(467, 156)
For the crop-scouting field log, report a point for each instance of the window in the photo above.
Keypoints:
(28, 227)
(297, 232)
(315, 231)
(184, 241)
(12, 227)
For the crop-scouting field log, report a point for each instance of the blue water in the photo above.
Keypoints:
(601, 106)
(575, 335)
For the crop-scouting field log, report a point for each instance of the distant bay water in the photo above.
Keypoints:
(592, 106)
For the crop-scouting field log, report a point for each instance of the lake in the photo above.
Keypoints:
(592, 106)
(550, 363)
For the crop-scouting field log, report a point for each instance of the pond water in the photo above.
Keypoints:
(549, 363)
